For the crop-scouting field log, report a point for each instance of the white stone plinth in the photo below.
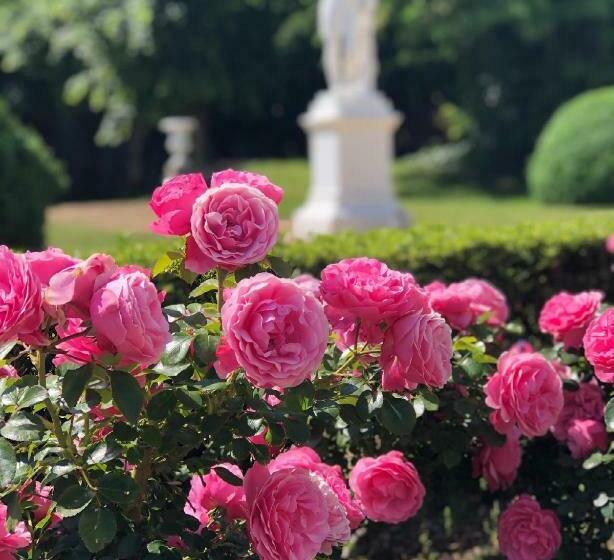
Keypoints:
(351, 152)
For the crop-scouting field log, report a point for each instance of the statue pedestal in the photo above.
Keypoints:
(351, 150)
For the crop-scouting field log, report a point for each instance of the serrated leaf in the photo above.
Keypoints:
(207, 286)
(23, 426)
(118, 487)
(297, 429)
(205, 346)
(97, 528)
(397, 415)
(74, 383)
(74, 500)
(8, 463)
(161, 405)
(103, 452)
(127, 395)
(163, 264)
(176, 350)
(609, 415)
(227, 476)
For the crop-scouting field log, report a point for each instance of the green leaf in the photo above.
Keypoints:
(297, 429)
(74, 500)
(23, 426)
(163, 264)
(227, 476)
(299, 399)
(5, 349)
(280, 266)
(127, 395)
(161, 405)
(97, 528)
(170, 371)
(29, 396)
(593, 461)
(74, 384)
(207, 286)
(8, 463)
(247, 272)
(397, 415)
(118, 487)
(204, 349)
(609, 415)
(275, 434)
(176, 350)
(103, 452)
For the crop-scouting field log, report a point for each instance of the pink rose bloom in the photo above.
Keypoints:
(521, 347)
(80, 350)
(566, 316)
(434, 287)
(127, 318)
(599, 346)
(254, 180)
(309, 283)
(528, 532)
(232, 226)
(344, 328)
(586, 403)
(8, 371)
(292, 514)
(211, 491)
(563, 371)
(307, 458)
(11, 542)
(417, 350)
(46, 263)
(609, 244)
(226, 361)
(368, 290)
(278, 332)
(172, 203)
(40, 496)
(74, 287)
(388, 487)
(585, 436)
(463, 303)
(499, 465)
(21, 306)
(525, 391)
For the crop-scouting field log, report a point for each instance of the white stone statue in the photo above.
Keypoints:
(348, 32)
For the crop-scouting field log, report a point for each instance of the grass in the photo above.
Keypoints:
(427, 203)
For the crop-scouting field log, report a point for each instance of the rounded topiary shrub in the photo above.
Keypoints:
(30, 179)
(574, 157)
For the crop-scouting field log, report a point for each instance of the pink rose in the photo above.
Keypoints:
(74, 287)
(226, 361)
(585, 436)
(232, 226)
(345, 329)
(417, 350)
(599, 346)
(292, 514)
(525, 391)
(172, 203)
(388, 487)
(463, 303)
(21, 311)
(254, 180)
(211, 491)
(128, 320)
(521, 347)
(12, 541)
(309, 283)
(8, 371)
(609, 244)
(46, 263)
(499, 465)
(368, 290)
(40, 496)
(563, 371)
(566, 316)
(80, 350)
(307, 458)
(277, 331)
(528, 532)
(585, 403)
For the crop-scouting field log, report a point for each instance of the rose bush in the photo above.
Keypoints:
(277, 418)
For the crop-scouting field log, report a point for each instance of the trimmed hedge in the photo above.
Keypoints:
(30, 179)
(529, 262)
(574, 157)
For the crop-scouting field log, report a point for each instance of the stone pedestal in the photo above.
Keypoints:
(351, 151)
(181, 145)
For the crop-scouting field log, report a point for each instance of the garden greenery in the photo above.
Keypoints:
(267, 417)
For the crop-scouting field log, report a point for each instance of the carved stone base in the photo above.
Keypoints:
(351, 150)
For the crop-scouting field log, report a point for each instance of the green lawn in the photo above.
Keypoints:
(459, 204)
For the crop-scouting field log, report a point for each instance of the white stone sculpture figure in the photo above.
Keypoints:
(348, 32)
(180, 144)
(351, 129)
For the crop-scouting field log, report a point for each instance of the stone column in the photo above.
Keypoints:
(351, 152)
(180, 144)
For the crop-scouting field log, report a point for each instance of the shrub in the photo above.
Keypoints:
(574, 157)
(30, 178)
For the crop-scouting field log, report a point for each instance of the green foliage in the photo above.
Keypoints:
(574, 157)
(30, 178)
